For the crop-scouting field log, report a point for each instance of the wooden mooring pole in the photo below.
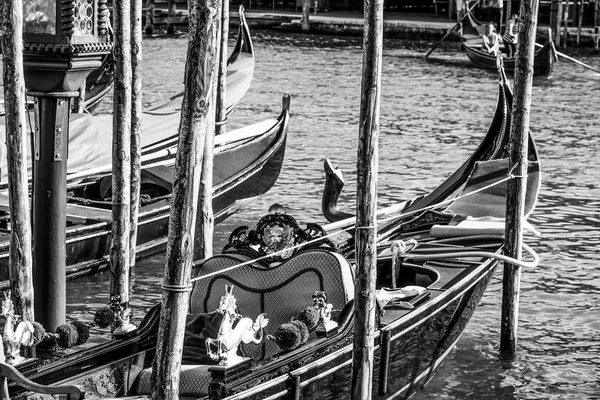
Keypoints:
(565, 21)
(366, 203)
(305, 15)
(20, 259)
(559, 21)
(121, 160)
(580, 6)
(205, 223)
(200, 76)
(221, 114)
(554, 22)
(596, 34)
(135, 152)
(149, 28)
(515, 205)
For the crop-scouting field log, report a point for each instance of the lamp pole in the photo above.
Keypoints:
(63, 42)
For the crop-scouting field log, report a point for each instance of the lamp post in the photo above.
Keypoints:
(64, 40)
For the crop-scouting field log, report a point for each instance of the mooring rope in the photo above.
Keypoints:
(442, 203)
(384, 236)
(525, 264)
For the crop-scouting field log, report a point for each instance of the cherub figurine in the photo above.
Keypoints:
(320, 303)
(123, 326)
(326, 325)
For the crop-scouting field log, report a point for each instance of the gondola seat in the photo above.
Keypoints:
(193, 381)
(280, 291)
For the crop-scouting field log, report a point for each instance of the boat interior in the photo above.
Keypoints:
(282, 286)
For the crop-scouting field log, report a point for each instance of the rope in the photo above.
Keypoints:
(441, 203)
(177, 288)
(381, 238)
(525, 264)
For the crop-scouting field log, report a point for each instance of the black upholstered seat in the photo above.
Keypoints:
(280, 291)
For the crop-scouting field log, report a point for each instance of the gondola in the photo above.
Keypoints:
(543, 61)
(240, 70)
(98, 84)
(247, 163)
(434, 263)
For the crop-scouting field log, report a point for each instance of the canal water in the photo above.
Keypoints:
(432, 117)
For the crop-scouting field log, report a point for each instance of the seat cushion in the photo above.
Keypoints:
(193, 381)
(198, 328)
(281, 291)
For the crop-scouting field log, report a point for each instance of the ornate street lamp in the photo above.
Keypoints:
(64, 40)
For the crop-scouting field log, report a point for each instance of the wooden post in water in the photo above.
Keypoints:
(121, 160)
(305, 15)
(203, 242)
(136, 125)
(221, 114)
(515, 205)
(596, 25)
(149, 17)
(554, 24)
(171, 8)
(559, 20)
(579, 20)
(200, 75)
(366, 203)
(565, 20)
(20, 258)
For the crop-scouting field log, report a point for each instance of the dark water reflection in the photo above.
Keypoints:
(432, 117)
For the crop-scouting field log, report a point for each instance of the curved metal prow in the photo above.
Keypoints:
(334, 182)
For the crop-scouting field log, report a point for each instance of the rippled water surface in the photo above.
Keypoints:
(432, 117)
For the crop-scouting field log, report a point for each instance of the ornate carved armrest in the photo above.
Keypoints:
(222, 375)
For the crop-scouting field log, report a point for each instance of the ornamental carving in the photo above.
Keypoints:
(277, 237)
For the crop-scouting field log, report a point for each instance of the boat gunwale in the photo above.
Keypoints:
(438, 304)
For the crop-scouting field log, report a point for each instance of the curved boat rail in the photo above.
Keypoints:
(340, 227)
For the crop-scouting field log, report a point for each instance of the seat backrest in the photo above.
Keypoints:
(281, 291)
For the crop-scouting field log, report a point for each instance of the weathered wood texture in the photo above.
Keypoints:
(554, 24)
(565, 20)
(366, 202)
(220, 114)
(200, 74)
(21, 259)
(559, 20)
(205, 224)
(596, 25)
(136, 121)
(305, 15)
(149, 28)
(171, 8)
(579, 19)
(121, 160)
(515, 204)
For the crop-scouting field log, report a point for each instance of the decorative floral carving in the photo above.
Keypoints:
(279, 236)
